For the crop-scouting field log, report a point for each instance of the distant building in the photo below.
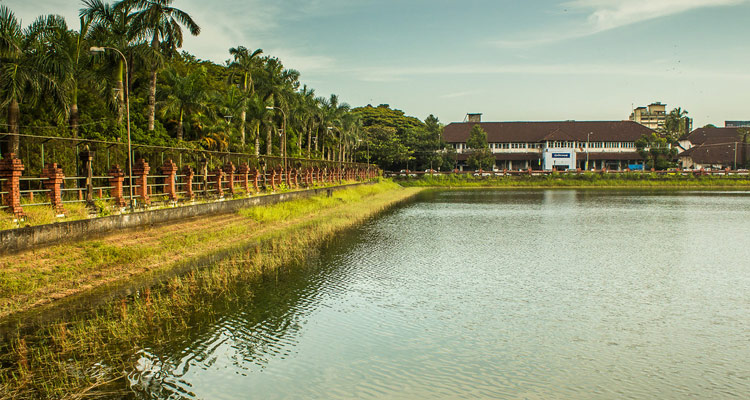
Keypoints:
(737, 124)
(654, 116)
(552, 145)
(714, 148)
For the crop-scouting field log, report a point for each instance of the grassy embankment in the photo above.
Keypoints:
(44, 214)
(57, 361)
(586, 180)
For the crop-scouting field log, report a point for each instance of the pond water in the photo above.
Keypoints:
(491, 294)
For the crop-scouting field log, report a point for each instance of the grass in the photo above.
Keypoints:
(585, 180)
(58, 361)
(43, 214)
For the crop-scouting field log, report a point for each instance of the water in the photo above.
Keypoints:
(492, 294)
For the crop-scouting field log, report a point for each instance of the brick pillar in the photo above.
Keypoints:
(140, 171)
(219, 181)
(11, 169)
(170, 170)
(189, 174)
(296, 175)
(53, 183)
(244, 170)
(116, 177)
(229, 171)
(256, 178)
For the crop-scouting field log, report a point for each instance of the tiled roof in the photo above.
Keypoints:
(720, 153)
(504, 132)
(714, 135)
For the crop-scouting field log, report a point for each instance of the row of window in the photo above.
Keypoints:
(555, 145)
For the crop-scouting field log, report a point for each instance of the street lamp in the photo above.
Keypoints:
(101, 49)
(283, 133)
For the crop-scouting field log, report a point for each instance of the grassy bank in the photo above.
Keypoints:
(83, 357)
(586, 180)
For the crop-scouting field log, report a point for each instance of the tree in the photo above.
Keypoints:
(183, 95)
(245, 63)
(158, 21)
(659, 150)
(26, 72)
(480, 155)
(676, 124)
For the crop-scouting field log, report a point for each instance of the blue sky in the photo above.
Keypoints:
(511, 60)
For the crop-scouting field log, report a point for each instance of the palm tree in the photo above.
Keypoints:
(277, 86)
(110, 26)
(159, 22)
(245, 63)
(67, 51)
(183, 95)
(26, 71)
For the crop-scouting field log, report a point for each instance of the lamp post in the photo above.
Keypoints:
(283, 133)
(587, 151)
(101, 49)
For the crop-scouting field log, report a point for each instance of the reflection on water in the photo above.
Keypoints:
(520, 294)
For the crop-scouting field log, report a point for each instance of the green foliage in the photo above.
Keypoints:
(480, 154)
(658, 149)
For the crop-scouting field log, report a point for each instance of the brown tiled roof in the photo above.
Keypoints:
(506, 156)
(504, 132)
(722, 153)
(713, 135)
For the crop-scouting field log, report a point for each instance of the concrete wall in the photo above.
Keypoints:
(15, 240)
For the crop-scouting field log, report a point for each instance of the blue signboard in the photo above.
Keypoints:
(635, 167)
(560, 155)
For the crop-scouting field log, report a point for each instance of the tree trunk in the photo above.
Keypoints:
(268, 140)
(120, 91)
(309, 136)
(74, 119)
(257, 142)
(180, 131)
(13, 114)
(243, 115)
(152, 101)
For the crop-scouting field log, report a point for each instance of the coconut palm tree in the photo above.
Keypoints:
(160, 23)
(110, 27)
(276, 87)
(67, 51)
(26, 71)
(183, 95)
(245, 63)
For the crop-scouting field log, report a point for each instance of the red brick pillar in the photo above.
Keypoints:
(308, 177)
(189, 174)
(140, 171)
(244, 170)
(229, 171)
(273, 179)
(116, 177)
(170, 170)
(11, 169)
(219, 181)
(256, 178)
(296, 176)
(53, 183)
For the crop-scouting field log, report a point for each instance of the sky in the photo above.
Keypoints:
(512, 60)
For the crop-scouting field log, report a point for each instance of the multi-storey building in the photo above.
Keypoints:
(552, 145)
(652, 116)
(655, 115)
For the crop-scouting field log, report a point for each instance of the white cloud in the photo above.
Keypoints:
(604, 15)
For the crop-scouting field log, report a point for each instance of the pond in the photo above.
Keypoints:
(491, 294)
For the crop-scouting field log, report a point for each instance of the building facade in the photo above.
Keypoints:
(715, 148)
(655, 115)
(553, 145)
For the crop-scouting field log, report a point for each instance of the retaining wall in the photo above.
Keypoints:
(15, 240)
